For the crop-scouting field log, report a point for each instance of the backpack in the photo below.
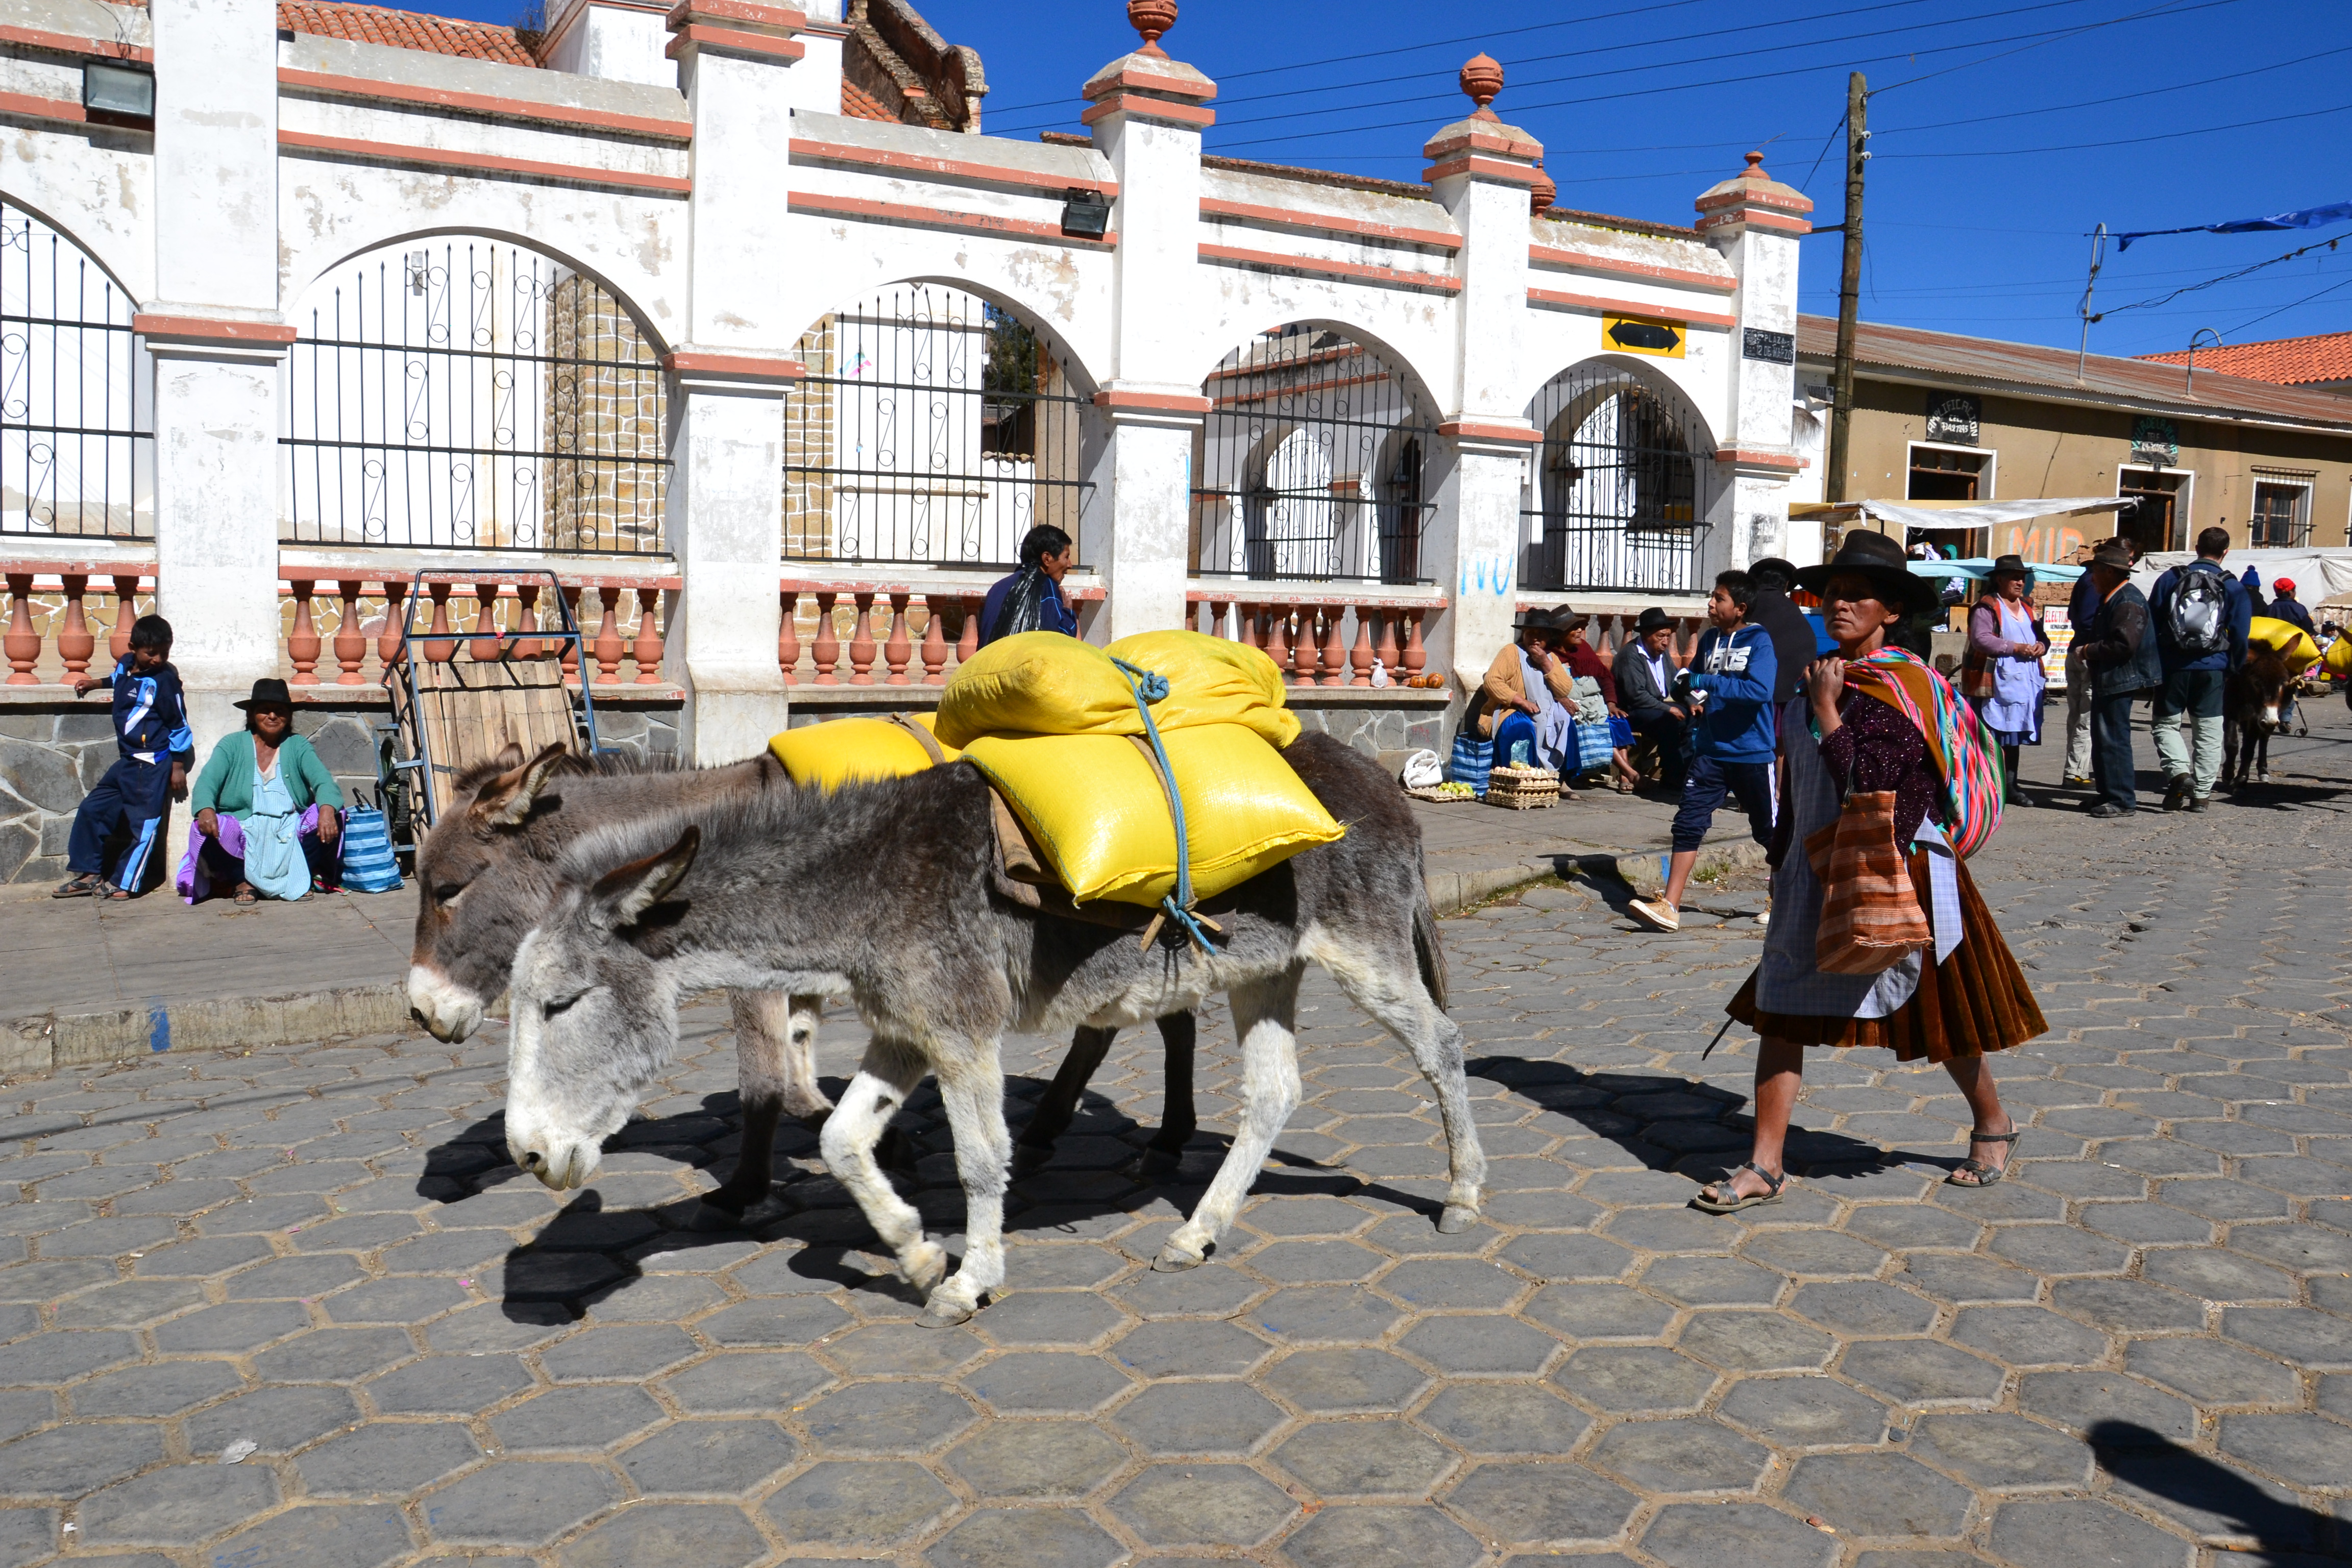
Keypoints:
(2196, 616)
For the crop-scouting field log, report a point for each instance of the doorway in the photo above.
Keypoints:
(2154, 521)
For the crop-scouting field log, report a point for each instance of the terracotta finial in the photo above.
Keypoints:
(1151, 18)
(1482, 79)
(1755, 167)
(1543, 192)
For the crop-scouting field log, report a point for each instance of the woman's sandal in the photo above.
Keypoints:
(85, 885)
(246, 895)
(1980, 1174)
(1733, 1204)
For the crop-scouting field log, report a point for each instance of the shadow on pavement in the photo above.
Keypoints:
(2215, 1499)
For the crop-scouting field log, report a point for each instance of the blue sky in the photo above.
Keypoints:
(1990, 169)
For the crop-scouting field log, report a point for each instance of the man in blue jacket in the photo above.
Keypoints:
(1731, 678)
(2201, 615)
(150, 731)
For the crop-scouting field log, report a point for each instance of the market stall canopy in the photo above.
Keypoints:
(2318, 571)
(1982, 567)
(1953, 514)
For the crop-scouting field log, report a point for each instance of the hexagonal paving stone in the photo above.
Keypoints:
(384, 1460)
(1319, 1262)
(862, 1505)
(1735, 1535)
(2304, 1449)
(130, 1305)
(1184, 1348)
(1212, 1291)
(180, 1505)
(46, 1361)
(518, 1504)
(448, 1385)
(1585, 1312)
(1921, 1371)
(793, 1321)
(2127, 1306)
(1026, 1538)
(1814, 1254)
(584, 1418)
(278, 1419)
(1541, 1504)
(2075, 1534)
(2027, 1336)
(632, 1351)
(709, 1459)
(2002, 1453)
(1436, 1284)
(1505, 1418)
(2218, 1502)
(1480, 1346)
(1960, 1279)
(1755, 1342)
(1714, 1282)
(2218, 1275)
(1351, 1537)
(1078, 1318)
(903, 1349)
(2305, 1248)
(701, 1533)
(1333, 1315)
(2084, 1402)
(67, 1462)
(345, 1536)
(1635, 1379)
(1197, 1418)
(333, 1355)
(747, 1383)
(2058, 1249)
(1686, 1456)
(1803, 1412)
(1337, 1382)
(2300, 1336)
(2213, 1373)
(1878, 1495)
(887, 1418)
(1202, 1505)
(1367, 1459)
(1306, 1217)
(164, 1389)
(1037, 1459)
(1047, 1382)
(1557, 1258)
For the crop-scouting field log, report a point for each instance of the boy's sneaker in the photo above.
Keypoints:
(2177, 792)
(1656, 914)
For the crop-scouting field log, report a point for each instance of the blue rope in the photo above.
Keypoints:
(1147, 687)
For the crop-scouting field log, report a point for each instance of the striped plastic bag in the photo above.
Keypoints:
(369, 866)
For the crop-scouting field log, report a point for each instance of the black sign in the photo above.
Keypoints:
(1773, 348)
(1954, 419)
(2155, 440)
(1654, 336)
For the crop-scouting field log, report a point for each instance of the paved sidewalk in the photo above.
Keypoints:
(2137, 1352)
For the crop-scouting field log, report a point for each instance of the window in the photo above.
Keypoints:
(2160, 519)
(1950, 473)
(2282, 513)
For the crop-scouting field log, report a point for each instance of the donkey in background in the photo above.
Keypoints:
(2252, 706)
(891, 892)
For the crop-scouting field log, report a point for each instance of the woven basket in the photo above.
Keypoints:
(1523, 789)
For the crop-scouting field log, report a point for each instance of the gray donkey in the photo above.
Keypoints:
(892, 893)
(486, 872)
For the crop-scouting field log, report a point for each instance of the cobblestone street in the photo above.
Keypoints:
(2137, 1350)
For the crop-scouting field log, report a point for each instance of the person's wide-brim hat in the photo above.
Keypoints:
(268, 693)
(1653, 619)
(1565, 620)
(2114, 554)
(1866, 553)
(2013, 566)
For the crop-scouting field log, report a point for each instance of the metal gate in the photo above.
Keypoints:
(1620, 487)
(77, 444)
(1310, 465)
(933, 429)
(470, 396)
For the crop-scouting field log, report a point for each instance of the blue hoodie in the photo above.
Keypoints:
(1736, 670)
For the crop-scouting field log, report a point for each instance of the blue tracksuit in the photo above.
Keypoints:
(1736, 670)
(151, 731)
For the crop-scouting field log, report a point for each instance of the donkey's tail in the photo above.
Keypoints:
(1428, 954)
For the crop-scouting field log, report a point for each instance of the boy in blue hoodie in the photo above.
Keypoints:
(1732, 678)
(151, 731)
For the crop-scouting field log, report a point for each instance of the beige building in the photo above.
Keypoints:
(1940, 416)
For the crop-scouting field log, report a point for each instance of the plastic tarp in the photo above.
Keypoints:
(1982, 567)
(1981, 514)
(2318, 571)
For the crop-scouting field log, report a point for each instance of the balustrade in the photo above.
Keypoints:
(50, 640)
(927, 636)
(1322, 642)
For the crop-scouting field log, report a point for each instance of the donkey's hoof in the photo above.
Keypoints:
(925, 1265)
(708, 1216)
(938, 1314)
(1174, 1259)
(1456, 1219)
(1028, 1159)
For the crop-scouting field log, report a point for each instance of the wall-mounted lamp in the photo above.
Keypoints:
(114, 94)
(1086, 215)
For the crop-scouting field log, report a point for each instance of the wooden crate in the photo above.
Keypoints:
(1523, 789)
(471, 711)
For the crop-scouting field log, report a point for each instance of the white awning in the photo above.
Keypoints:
(1959, 515)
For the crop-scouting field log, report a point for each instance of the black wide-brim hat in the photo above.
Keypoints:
(268, 693)
(1653, 619)
(2011, 566)
(1866, 553)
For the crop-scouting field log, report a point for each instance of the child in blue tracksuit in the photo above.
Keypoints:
(150, 728)
(1731, 740)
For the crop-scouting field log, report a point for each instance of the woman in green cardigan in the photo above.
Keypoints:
(266, 809)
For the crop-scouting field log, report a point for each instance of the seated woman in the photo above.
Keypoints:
(266, 819)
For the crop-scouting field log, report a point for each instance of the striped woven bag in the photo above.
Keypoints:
(1871, 917)
(1970, 811)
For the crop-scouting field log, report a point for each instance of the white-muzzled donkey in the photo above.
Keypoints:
(892, 893)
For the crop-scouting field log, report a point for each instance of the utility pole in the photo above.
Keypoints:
(1857, 154)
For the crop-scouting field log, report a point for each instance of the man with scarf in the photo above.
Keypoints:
(1030, 600)
(1523, 692)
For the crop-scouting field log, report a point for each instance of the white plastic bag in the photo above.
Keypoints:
(1422, 770)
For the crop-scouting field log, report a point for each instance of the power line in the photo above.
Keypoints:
(2283, 309)
(2162, 6)
(2212, 282)
(2129, 141)
(2119, 98)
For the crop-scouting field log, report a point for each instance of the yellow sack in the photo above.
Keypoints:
(1212, 681)
(2286, 638)
(1095, 806)
(2338, 660)
(1037, 683)
(839, 750)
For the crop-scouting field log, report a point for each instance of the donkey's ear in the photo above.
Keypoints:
(505, 800)
(623, 895)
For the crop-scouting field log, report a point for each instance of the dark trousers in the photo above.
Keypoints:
(2111, 749)
(1704, 789)
(1665, 732)
(133, 797)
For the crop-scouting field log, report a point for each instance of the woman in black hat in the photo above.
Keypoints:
(1874, 719)
(2001, 672)
(266, 809)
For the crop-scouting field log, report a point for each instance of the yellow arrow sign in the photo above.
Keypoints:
(1644, 335)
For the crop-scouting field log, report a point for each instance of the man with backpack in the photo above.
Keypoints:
(2201, 615)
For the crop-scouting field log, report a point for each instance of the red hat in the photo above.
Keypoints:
(2282, 585)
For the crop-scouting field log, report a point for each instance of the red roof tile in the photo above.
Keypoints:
(404, 31)
(2290, 361)
(859, 104)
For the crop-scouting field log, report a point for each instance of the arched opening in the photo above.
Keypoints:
(467, 393)
(77, 444)
(1309, 466)
(935, 428)
(1620, 485)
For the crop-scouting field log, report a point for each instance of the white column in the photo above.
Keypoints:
(1147, 112)
(1755, 221)
(216, 340)
(731, 371)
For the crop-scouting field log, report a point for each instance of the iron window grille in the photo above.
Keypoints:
(1620, 487)
(933, 429)
(475, 396)
(77, 443)
(1311, 464)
